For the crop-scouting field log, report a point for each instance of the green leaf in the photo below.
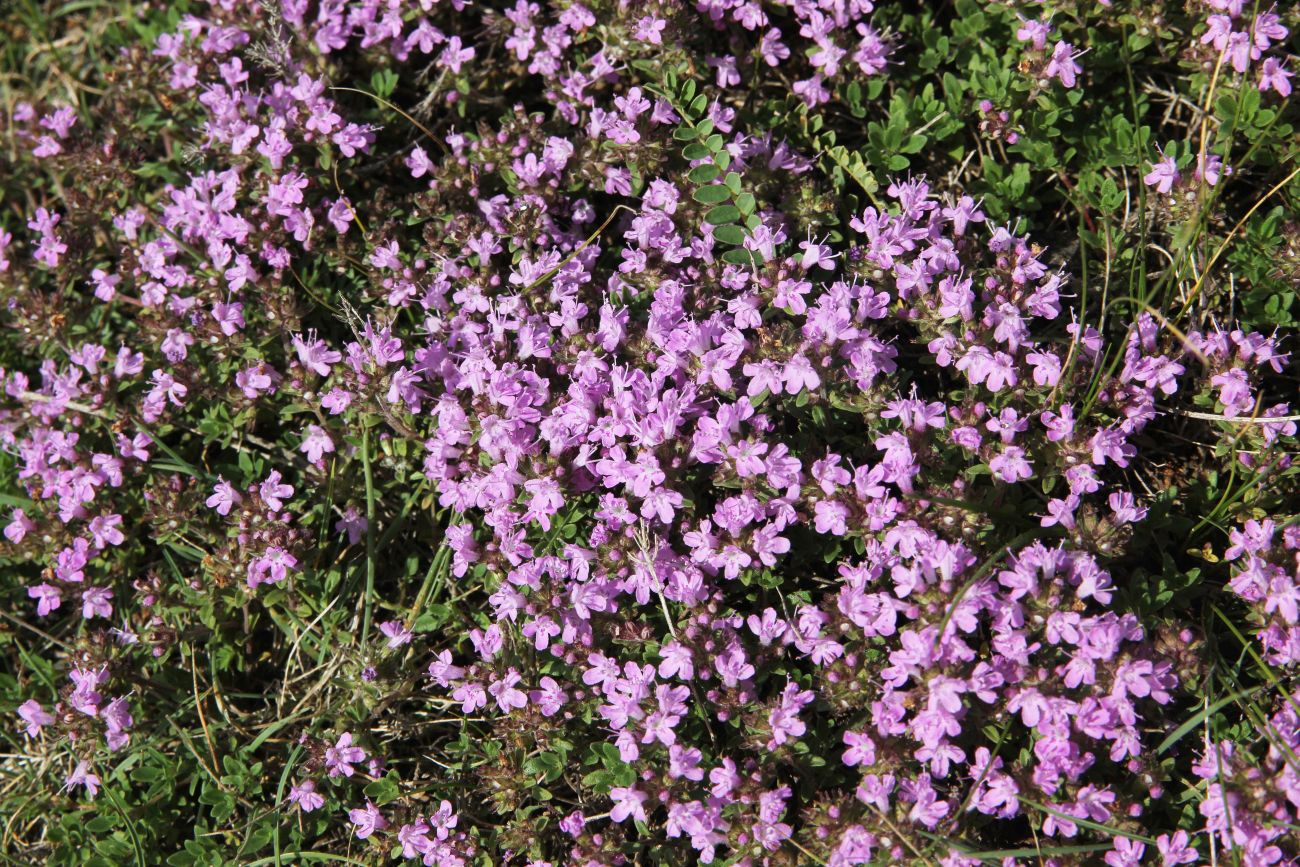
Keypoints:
(383, 791)
(100, 824)
(722, 214)
(549, 766)
(703, 174)
(742, 257)
(711, 195)
(383, 82)
(733, 235)
(148, 773)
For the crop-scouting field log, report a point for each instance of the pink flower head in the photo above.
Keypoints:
(1163, 175)
(628, 803)
(396, 632)
(305, 796)
(82, 776)
(273, 493)
(367, 820)
(340, 758)
(224, 497)
(1062, 65)
(1273, 75)
(1010, 465)
(35, 716)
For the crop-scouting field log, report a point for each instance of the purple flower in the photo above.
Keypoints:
(861, 749)
(507, 697)
(316, 444)
(1163, 175)
(315, 355)
(340, 758)
(95, 602)
(48, 598)
(1010, 465)
(1127, 853)
(353, 523)
(1175, 849)
(396, 632)
(224, 497)
(271, 567)
(273, 492)
(1274, 75)
(1062, 65)
(34, 716)
(82, 776)
(1234, 392)
(414, 840)
(799, 375)
(367, 820)
(628, 803)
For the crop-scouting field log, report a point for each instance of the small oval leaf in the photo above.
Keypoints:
(711, 195)
(722, 214)
(703, 174)
(733, 235)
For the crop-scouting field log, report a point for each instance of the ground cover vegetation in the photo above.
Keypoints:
(692, 431)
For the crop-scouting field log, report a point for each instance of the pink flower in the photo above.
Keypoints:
(928, 809)
(273, 493)
(315, 355)
(1062, 65)
(367, 820)
(305, 796)
(628, 803)
(397, 633)
(224, 497)
(1034, 32)
(418, 162)
(1274, 75)
(507, 697)
(340, 758)
(1127, 853)
(316, 444)
(272, 567)
(47, 598)
(81, 776)
(861, 750)
(799, 374)
(1234, 392)
(19, 526)
(35, 716)
(1176, 849)
(650, 29)
(94, 602)
(1163, 175)
(1011, 465)
(414, 840)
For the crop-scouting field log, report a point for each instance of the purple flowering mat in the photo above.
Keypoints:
(696, 431)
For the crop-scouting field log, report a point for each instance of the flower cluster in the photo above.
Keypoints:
(832, 536)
